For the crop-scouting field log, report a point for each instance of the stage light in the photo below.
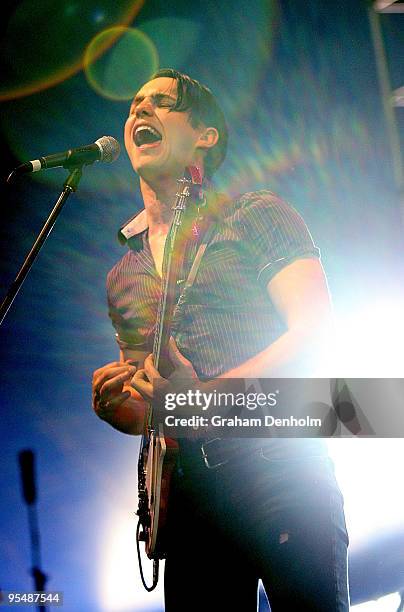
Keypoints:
(120, 588)
(389, 603)
(370, 340)
(369, 472)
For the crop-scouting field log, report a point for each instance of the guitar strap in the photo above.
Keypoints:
(217, 203)
(194, 268)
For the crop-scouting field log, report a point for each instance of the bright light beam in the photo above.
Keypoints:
(369, 472)
(371, 340)
(389, 603)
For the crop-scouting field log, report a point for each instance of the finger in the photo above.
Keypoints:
(113, 385)
(140, 375)
(133, 362)
(176, 358)
(150, 369)
(106, 373)
(110, 404)
(145, 389)
(106, 410)
(118, 399)
(96, 400)
(99, 371)
(141, 383)
(112, 372)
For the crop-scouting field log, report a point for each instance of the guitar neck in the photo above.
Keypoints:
(190, 189)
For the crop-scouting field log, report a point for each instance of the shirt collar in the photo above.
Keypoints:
(137, 224)
(133, 227)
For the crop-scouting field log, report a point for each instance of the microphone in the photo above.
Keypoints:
(105, 149)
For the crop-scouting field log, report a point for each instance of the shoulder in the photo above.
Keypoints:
(264, 200)
(225, 205)
(264, 208)
(264, 197)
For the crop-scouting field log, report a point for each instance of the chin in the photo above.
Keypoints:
(143, 165)
(153, 169)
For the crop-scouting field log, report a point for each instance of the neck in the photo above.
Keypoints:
(158, 197)
(158, 200)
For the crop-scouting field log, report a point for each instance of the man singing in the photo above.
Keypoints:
(271, 511)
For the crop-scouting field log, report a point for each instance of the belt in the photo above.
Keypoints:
(218, 451)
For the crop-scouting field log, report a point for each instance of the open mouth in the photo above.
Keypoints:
(146, 135)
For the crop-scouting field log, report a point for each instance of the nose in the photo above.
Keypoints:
(144, 108)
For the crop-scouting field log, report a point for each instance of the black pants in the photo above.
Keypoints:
(281, 521)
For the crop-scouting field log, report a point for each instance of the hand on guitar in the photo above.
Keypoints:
(114, 401)
(148, 380)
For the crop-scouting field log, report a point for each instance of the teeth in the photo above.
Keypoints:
(148, 128)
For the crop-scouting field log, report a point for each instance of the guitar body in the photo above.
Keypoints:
(158, 453)
(161, 458)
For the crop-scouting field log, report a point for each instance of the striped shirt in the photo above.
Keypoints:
(228, 316)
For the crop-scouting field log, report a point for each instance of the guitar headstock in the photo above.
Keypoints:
(192, 183)
(194, 174)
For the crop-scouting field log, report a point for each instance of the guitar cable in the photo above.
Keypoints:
(155, 564)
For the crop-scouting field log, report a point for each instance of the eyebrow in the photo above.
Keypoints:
(158, 96)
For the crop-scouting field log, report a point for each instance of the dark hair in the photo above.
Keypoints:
(203, 108)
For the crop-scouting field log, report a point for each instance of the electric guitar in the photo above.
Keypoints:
(158, 453)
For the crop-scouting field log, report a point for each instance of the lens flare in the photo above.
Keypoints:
(54, 37)
(129, 60)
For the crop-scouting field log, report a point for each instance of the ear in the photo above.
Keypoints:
(208, 138)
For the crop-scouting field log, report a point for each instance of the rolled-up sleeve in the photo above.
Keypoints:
(274, 234)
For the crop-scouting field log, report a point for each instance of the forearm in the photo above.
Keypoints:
(300, 295)
(292, 355)
(296, 353)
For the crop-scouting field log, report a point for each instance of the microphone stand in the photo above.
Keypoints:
(27, 468)
(71, 184)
